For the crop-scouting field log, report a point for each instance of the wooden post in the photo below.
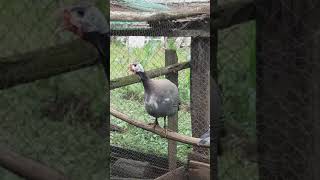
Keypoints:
(200, 89)
(171, 58)
(288, 89)
(215, 110)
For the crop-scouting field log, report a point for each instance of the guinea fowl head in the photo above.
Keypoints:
(89, 23)
(136, 68)
(82, 18)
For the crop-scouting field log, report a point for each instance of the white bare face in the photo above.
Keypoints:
(83, 17)
(136, 67)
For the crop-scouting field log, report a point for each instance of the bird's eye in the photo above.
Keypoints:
(80, 13)
(134, 65)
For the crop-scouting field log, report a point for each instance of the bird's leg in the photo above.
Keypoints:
(165, 126)
(155, 123)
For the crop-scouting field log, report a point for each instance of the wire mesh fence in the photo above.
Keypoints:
(147, 43)
(130, 99)
(236, 66)
(55, 120)
(156, 17)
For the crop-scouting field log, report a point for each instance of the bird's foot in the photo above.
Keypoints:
(165, 132)
(153, 124)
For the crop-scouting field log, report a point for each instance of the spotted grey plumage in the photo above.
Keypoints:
(161, 96)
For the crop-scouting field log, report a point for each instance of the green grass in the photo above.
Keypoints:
(48, 120)
(54, 134)
(129, 99)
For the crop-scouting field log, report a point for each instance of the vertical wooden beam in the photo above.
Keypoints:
(214, 101)
(107, 122)
(200, 89)
(171, 58)
(287, 89)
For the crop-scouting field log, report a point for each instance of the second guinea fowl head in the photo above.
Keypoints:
(86, 21)
(89, 23)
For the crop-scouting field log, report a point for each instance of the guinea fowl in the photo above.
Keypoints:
(89, 23)
(161, 96)
(86, 21)
(205, 138)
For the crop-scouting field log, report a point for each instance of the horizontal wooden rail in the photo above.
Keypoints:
(27, 168)
(157, 130)
(227, 15)
(162, 32)
(44, 63)
(159, 16)
(131, 79)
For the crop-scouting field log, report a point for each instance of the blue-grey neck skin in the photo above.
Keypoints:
(144, 78)
(100, 41)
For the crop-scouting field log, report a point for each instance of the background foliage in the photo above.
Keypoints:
(50, 120)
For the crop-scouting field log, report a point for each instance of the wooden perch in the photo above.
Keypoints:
(198, 170)
(27, 168)
(177, 174)
(128, 168)
(45, 63)
(159, 16)
(158, 130)
(131, 79)
(164, 32)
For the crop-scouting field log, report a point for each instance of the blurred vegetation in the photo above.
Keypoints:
(50, 120)
(236, 66)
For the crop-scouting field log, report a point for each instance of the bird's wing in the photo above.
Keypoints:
(205, 135)
(205, 141)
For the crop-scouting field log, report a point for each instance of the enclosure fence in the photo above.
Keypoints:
(160, 37)
(56, 120)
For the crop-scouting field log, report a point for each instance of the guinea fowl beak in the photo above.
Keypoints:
(130, 70)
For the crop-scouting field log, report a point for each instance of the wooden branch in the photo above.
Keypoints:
(159, 16)
(162, 32)
(45, 63)
(131, 79)
(177, 174)
(129, 168)
(27, 168)
(196, 164)
(198, 170)
(157, 130)
(198, 157)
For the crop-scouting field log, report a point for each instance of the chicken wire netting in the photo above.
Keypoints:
(54, 120)
(157, 17)
(236, 77)
(150, 52)
(146, 42)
